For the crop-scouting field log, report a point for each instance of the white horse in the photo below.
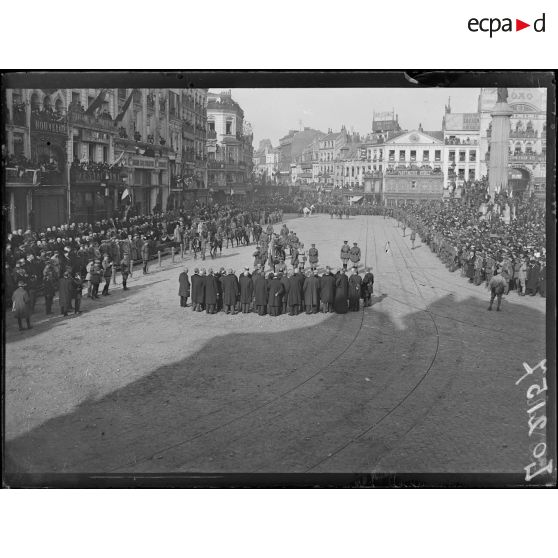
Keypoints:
(306, 212)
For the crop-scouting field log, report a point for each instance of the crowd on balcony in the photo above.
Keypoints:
(479, 242)
(48, 113)
(22, 163)
(93, 166)
(459, 141)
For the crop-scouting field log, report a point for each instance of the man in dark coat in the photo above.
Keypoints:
(50, 281)
(183, 288)
(311, 291)
(274, 297)
(293, 295)
(533, 277)
(219, 276)
(367, 287)
(355, 287)
(145, 250)
(77, 290)
(341, 292)
(246, 286)
(198, 290)
(286, 286)
(300, 277)
(210, 292)
(327, 290)
(65, 293)
(20, 305)
(230, 292)
(260, 293)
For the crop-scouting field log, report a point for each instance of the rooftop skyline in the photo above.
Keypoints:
(273, 112)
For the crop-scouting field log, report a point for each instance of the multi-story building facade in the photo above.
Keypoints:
(265, 162)
(527, 141)
(330, 147)
(93, 151)
(291, 148)
(412, 167)
(461, 153)
(230, 166)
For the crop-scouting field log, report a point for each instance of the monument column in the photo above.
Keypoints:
(499, 144)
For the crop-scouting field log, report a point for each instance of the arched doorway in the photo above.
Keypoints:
(518, 180)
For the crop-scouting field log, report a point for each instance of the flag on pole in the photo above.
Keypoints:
(125, 194)
(388, 247)
(125, 107)
(97, 103)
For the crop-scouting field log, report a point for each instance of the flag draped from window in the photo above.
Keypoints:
(97, 103)
(125, 107)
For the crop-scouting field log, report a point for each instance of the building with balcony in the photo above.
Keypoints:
(527, 140)
(90, 145)
(461, 150)
(229, 166)
(35, 157)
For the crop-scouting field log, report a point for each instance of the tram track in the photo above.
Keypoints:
(408, 394)
(262, 405)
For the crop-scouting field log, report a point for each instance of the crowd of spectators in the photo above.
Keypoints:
(48, 260)
(49, 114)
(479, 242)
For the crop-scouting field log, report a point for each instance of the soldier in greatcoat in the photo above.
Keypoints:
(345, 253)
(313, 255)
(354, 255)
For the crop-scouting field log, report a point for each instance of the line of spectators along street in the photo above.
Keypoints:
(480, 244)
(72, 257)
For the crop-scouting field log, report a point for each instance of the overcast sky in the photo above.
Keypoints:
(272, 112)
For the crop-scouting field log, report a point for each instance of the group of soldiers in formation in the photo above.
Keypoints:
(280, 290)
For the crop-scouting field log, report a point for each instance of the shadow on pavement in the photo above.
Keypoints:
(284, 401)
(41, 323)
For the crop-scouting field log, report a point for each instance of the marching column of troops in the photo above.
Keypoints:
(280, 290)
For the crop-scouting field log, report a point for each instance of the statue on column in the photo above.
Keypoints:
(502, 94)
